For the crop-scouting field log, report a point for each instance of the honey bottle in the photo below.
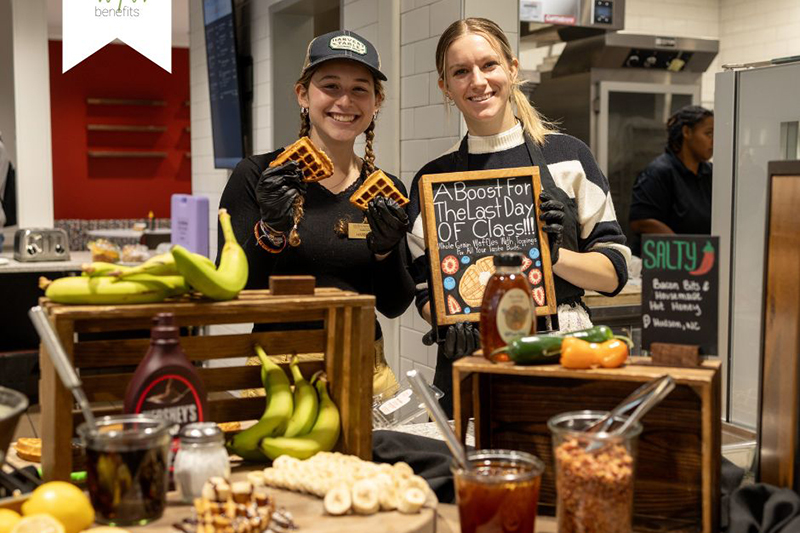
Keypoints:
(507, 310)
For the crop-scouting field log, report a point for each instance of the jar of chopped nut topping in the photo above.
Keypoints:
(594, 474)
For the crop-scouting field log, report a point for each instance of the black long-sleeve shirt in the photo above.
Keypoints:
(333, 260)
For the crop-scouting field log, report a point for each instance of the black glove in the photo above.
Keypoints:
(460, 340)
(552, 214)
(388, 224)
(276, 191)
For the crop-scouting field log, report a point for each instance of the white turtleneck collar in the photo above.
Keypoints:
(498, 142)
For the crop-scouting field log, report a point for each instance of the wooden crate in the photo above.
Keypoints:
(678, 466)
(346, 339)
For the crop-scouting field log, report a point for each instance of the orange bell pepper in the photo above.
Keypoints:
(579, 354)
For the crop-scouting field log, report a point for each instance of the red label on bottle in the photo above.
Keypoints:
(171, 397)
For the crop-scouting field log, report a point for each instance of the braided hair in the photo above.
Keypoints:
(369, 152)
(690, 116)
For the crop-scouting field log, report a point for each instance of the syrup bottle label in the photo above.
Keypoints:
(171, 397)
(514, 315)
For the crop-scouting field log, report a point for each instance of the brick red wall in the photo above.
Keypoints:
(94, 188)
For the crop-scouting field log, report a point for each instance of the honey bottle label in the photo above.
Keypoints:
(514, 314)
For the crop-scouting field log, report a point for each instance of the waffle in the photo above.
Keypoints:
(314, 163)
(376, 184)
(473, 281)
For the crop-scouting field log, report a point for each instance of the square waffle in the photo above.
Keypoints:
(376, 184)
(314, 163)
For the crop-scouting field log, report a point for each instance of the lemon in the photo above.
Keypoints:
(38, 523)
(63, 501)
(106, 529)
(8, 519)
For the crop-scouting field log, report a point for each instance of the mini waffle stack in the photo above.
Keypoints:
(376, 184)
(314, 163)
(230, 508)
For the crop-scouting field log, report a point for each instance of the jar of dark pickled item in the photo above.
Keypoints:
(507, 310)
(127, 459)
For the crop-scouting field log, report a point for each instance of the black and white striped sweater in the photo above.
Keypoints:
(574, 170)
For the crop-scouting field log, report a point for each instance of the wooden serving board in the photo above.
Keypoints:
(311, 518)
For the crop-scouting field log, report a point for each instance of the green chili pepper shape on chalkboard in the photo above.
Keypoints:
(707, 262)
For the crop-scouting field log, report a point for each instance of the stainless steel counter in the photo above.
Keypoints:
(17, 267)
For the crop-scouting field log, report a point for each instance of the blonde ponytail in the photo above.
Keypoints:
(532, 121)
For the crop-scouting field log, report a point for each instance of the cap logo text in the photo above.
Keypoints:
(346, 42)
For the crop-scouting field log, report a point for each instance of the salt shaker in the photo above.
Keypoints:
(201, 455)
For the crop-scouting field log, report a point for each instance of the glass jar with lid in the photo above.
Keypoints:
(202, 455)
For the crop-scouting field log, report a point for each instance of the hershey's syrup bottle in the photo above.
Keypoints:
(166, 384)
(507, 310)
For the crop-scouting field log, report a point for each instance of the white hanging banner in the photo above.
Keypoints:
(144, 25)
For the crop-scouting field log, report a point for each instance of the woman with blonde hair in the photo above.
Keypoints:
(339, 93)
(478, 74)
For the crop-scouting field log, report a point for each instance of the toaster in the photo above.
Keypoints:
(41, 244)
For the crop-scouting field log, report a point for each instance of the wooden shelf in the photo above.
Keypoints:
(125, 101)
(125, 154)
(126, 127)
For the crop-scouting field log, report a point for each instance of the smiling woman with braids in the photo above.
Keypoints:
(339, 93)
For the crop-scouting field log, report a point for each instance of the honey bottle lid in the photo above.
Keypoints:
(508, 259)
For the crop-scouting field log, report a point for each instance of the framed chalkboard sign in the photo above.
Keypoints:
(469, 217)
(680, 290)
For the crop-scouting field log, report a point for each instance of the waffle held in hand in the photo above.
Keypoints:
(314, 163)
(376, 184)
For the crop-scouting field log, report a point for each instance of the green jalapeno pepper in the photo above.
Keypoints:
(546, 348)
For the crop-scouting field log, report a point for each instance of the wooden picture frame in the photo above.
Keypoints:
(429, 220)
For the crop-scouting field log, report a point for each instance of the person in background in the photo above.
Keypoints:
(478, 75)
(673, 194)
(339, 94)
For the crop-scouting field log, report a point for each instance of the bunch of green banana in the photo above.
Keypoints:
(322, 437)
(223, 283)
(299, 428)
(104, 290)
(276, 415)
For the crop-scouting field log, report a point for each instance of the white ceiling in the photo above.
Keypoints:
(180, 21)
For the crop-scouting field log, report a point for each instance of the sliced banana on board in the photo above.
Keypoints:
(365, 497)
(411, 500)
(338, 501)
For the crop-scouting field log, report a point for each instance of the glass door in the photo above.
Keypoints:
(632, 132)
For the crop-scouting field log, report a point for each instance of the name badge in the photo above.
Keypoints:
(357, 231)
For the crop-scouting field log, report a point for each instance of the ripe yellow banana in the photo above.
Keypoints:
(223, 283)
(104, 290)
(306, 404)
(101, 268)
(276, 414)
(323, 435)
(158, 265)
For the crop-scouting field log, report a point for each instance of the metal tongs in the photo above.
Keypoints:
(642, 399)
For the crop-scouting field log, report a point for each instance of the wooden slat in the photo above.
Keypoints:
(125, 101)
(56, 424)
(95, 354)
(126, 128)
(112, 387)
(219, 410)
(97, 154)
(780, 376)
